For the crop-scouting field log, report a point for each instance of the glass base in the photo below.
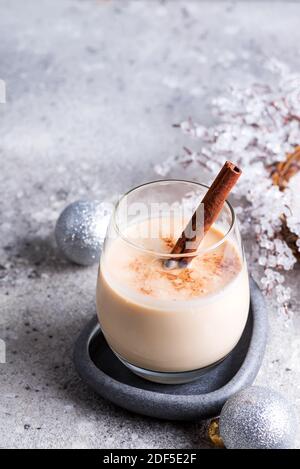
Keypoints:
(165, 377)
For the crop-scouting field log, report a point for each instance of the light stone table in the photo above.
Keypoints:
(92, 91)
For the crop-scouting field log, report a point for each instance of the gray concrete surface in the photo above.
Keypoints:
(92, 90)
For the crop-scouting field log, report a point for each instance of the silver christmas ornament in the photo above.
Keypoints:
(258, 417)
(79, 231)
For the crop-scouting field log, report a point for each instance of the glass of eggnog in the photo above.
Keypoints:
(170, 325)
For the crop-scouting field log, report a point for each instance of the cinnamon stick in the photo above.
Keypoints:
(213, 202)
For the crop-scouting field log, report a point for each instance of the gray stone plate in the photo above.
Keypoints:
(202, 398)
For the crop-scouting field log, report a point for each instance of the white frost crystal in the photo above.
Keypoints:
(293, 219)
(256, 127)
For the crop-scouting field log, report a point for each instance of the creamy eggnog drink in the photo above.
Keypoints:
(168, 323)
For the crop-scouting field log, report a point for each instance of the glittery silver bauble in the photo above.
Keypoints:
(78, 232)
(258, 417)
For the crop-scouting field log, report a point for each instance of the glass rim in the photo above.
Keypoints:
(166, 255)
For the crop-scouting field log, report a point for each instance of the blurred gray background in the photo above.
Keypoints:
(93, 88)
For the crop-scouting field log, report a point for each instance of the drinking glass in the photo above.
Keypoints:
(170, 325)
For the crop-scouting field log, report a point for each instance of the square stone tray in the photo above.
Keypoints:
(203, 398)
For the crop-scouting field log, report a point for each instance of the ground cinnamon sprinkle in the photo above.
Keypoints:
(148, 291)
(193, 281)
(184, 279)
(143, 275)
(169, 242)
